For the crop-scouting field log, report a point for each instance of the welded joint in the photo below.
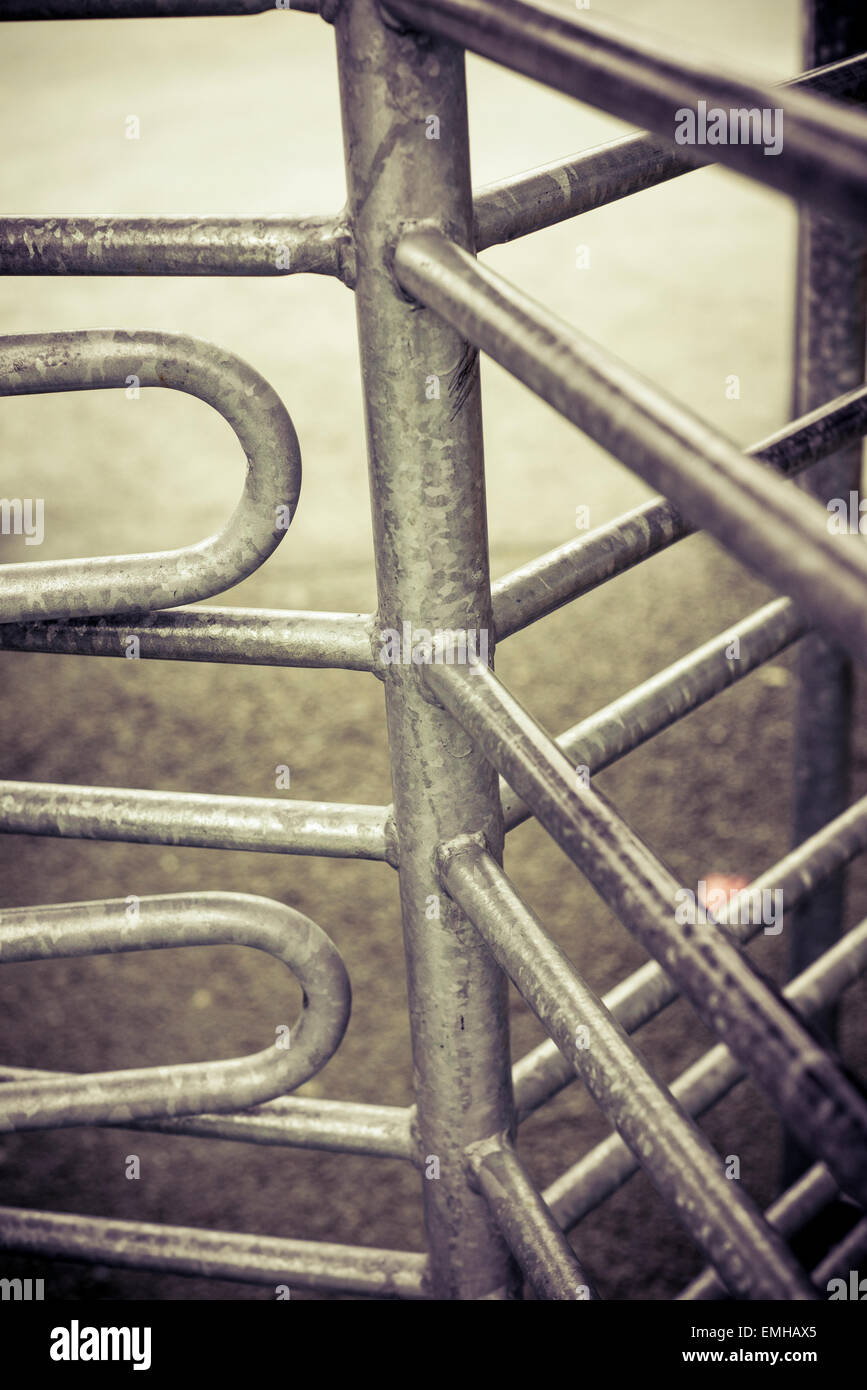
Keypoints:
(396, 25)
(342, 235)
(416, 1154)
(405, 227)
(374, 635)
(445, 853)
(442, 653)
(477, 1153)
(392, 840)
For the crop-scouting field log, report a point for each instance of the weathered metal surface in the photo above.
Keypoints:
(803, 1080)
(112, 244)
(594, 178)
(605, 1168)
(542, 1072)
(830, 335)
(241, 636)
(657, 703)
(675, 1155)
(303, 1264)
(565, 573)
(177, 919)
(350, 640)
(792, 1210)
(203, 821)
(628, 74)
(547, 1260)
(36, 363)
(841, 1260)
(771, 527)
(296, 1122)
(430, 536)
(407, 231)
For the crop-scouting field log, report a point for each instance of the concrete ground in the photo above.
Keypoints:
(690, 283)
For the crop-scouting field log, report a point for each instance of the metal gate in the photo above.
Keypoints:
(425, 306)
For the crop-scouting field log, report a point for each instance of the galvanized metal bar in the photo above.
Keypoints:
(797, 1205)
(236, 636)
(268, 825)
(594, 178)
(839, 1263)
(297, 1122)
(543, 1071)
(830, 337)
(676, 1156)
(35, 363)
(248, 1259)
(770, 527)
(581, 565)
(430, 541)
(546, 1258)
(606, 1167)
(113, 244)
(804, 1081)
(64, 930)
(654, 705)
(623, 71)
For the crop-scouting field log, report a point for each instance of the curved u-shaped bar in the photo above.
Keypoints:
(34, 363)
(63, 930)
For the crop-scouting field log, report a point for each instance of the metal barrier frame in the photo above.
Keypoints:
(405, 244)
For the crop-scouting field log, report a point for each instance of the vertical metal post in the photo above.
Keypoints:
(405, 133)
(831, 325)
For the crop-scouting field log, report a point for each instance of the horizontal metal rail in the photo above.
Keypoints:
(606, 1167)
(322, 244)
(678, 1159)
(237, 636)
(545, 1257)
(551, 580)
(346, 640)
(296, 1122)
(201, 821)
(64, 930)
(771, 527)
(248, 1259)
(36, 363)
(543, 1071)
(594, 178)
(656, 704)
(805, 1083)
(620, 70)
(114, 244)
